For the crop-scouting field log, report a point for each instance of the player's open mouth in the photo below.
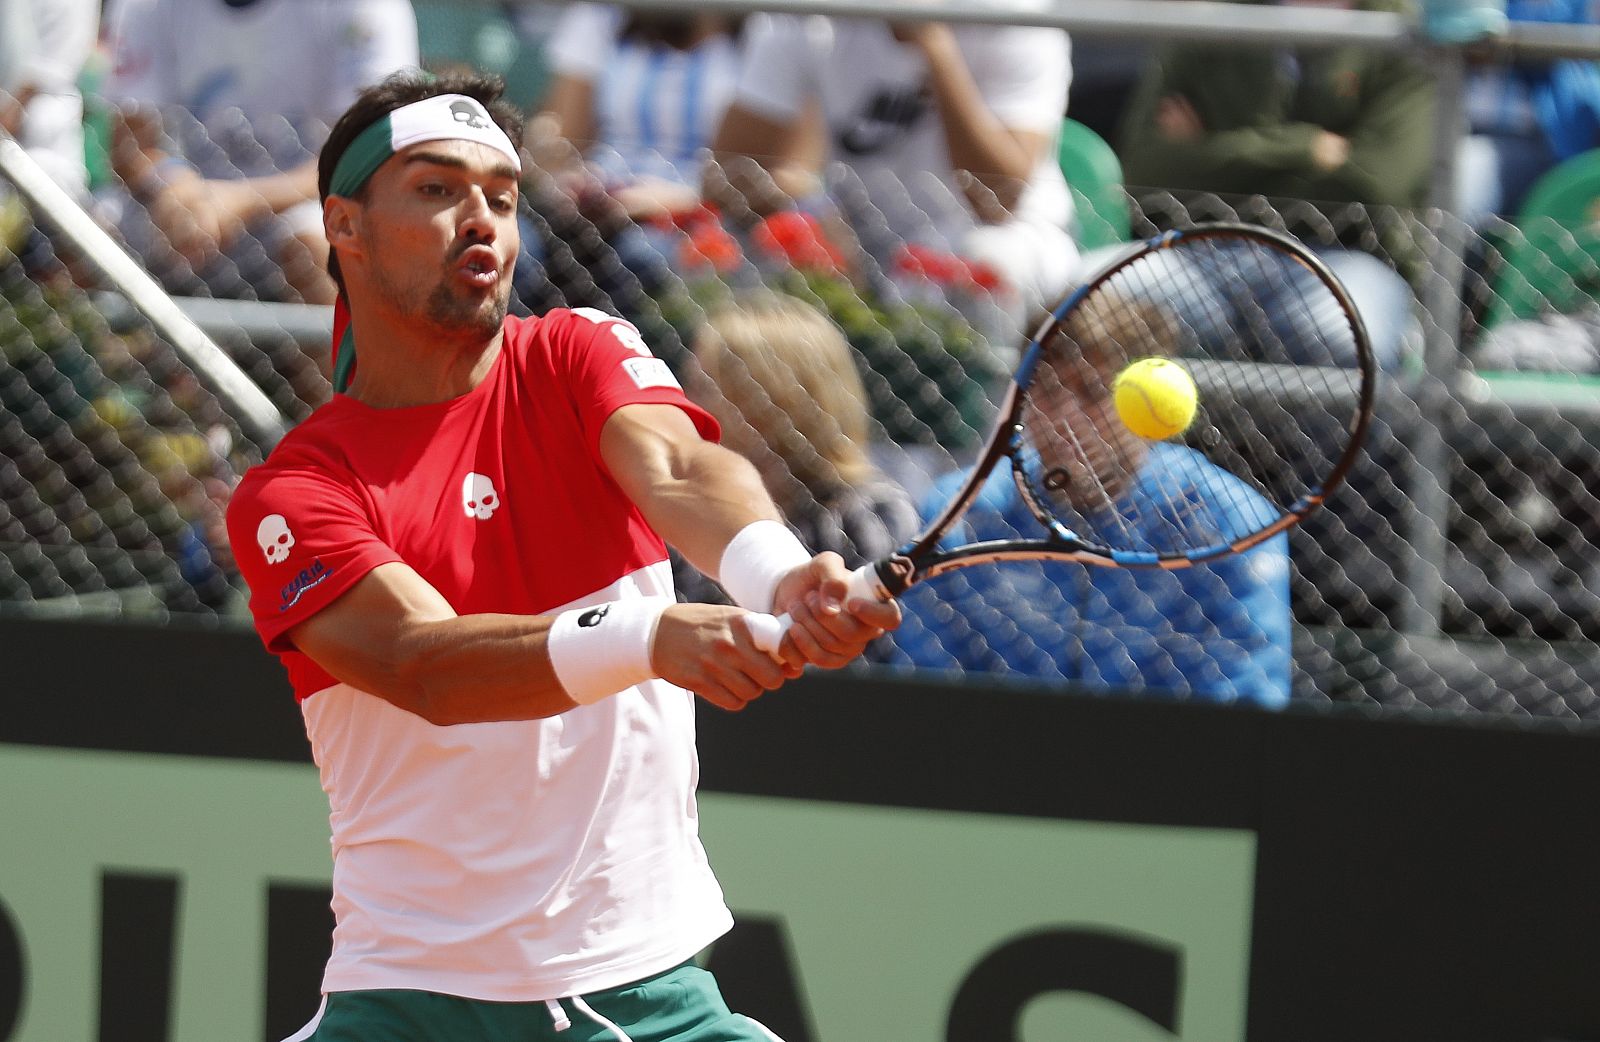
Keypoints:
(479, 266)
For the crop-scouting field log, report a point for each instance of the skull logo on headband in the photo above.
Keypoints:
(469, 112)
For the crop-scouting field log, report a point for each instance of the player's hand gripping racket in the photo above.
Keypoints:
(1283, 386)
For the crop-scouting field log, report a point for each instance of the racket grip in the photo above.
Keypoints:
(767, 631)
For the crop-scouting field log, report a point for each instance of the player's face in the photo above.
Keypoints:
(439, 230)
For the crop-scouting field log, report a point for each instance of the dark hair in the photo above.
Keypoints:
(671, 28)
(398, 91)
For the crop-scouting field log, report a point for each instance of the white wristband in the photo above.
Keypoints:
(600, 650)
(756, 559)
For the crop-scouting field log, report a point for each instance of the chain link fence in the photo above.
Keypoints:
(1458, 569)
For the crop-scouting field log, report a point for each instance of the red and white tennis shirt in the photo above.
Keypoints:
(516, 861)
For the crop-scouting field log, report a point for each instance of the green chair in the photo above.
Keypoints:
(1094, 174)
(482, 38)
(1554, 264)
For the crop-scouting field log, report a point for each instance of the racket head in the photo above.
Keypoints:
(1286, 382)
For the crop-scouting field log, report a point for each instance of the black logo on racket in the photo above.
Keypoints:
(593, 616)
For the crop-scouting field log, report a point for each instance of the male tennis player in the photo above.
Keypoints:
(460, 561)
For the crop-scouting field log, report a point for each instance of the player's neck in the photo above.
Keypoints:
(399, 365)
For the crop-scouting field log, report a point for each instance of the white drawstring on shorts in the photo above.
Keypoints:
(562, 1022)
(584, 1007)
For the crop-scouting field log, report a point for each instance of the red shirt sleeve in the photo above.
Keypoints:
(301, 539)
(607, 365)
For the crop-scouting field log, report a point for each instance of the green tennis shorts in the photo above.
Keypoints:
(681, 1005)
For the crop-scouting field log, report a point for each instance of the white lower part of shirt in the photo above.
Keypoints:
(520, 861)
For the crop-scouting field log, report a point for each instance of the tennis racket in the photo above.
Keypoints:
(1286, 382)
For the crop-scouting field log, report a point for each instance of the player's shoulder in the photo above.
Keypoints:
(572, 334)
(558, 323)
(313, 447)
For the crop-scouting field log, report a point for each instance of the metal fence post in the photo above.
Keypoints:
(1428, 481)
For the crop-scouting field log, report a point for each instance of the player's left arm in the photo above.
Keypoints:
(698, 495)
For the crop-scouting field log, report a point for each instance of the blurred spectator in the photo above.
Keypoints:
(635, 100)
(1333, 126)
(1523, 118)
(44, 46)
(781, 380)
(948, 135)
(627, 121)
(224, 104)
(1219, 631)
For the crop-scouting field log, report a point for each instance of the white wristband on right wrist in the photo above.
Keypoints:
(605, 648)
(756, 560)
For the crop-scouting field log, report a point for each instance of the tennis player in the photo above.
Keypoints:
(460, 561)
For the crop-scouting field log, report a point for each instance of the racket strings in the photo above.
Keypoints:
(1269, 345)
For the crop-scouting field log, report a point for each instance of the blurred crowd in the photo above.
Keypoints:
(835, 229)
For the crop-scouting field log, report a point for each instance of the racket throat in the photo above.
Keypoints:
(895, 574)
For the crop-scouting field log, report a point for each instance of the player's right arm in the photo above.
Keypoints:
(323, 582)
(393, 635)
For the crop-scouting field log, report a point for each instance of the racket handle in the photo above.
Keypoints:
(767, 630)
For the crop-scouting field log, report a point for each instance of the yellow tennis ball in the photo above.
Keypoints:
(1155, 397)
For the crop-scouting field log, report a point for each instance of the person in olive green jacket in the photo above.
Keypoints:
(1331, 126)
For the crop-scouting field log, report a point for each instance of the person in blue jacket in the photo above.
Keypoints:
(1526, 117)
(1218, 631)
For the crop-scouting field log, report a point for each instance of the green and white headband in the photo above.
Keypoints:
(445, 117)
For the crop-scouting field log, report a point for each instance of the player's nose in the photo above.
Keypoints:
(475, 219)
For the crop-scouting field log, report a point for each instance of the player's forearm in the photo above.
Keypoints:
(697, 495)
(485, 668)
(467, 669)
(713, 497)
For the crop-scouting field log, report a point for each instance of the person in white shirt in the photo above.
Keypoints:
(949, 131)
(636, 97)
(224, 104)
(44, 45)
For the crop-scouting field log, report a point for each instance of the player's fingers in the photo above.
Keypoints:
(827, 635)
(743, 665)
(882, 615)
(727, 688)
(789, 661)
(720, 696)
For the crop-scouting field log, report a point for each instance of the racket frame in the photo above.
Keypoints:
(921, 559)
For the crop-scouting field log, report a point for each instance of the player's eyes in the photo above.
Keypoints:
(504, 203)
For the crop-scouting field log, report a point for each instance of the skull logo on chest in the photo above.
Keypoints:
(479, 498)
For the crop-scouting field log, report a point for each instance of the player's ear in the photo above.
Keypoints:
(341, 222)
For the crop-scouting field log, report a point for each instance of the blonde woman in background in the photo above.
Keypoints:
(781, 380)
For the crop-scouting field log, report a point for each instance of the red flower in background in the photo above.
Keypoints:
(706, 243)
(945, 269)
(798, 238)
